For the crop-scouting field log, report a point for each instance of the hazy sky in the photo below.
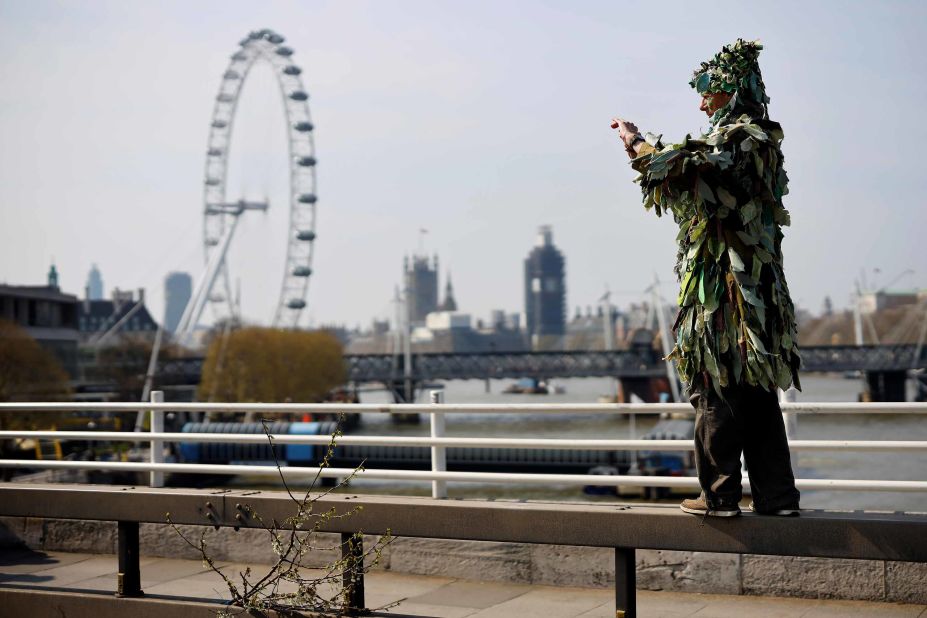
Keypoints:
(478, 121)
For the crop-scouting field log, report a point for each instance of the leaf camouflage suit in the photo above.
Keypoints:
(736, 322)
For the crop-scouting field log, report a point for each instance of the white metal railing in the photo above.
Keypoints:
(438, 442)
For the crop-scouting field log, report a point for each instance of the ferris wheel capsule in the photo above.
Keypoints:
(305, 161)
(307, 198)
(303, 127)
(299, 95)
(292, 70)
(305, 235)
(284, 51)
(302, 271)
(296, 303)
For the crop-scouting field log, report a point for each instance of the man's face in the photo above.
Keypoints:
(713, 101)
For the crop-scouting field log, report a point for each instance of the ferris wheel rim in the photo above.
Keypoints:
(267, 46)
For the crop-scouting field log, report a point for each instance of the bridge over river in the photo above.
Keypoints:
(884, 364)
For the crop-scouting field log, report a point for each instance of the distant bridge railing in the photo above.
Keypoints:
(439, 442)
(639, 362)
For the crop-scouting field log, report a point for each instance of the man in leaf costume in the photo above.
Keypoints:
(735, 331)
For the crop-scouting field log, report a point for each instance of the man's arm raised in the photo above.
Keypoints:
(630, 135)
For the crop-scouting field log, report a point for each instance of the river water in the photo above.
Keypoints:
(810, 464)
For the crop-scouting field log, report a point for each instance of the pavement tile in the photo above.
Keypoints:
(433, 611)
(477, 595)
(605, 610)
(411, 586)
(154, 571)
(20, 561)
(839, 609)
(549, 602)
(439, 597)
(718, 606)
(71, 574)
(670, 604)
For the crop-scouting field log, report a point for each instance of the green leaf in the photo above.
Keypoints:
(746, 145)
(748, 212)
(758, 163)
(743, 279)
(683, 230)
(702, 83)
(752, 297)
(711, 365)
(764, 255)
(726, 198)
(705, 192)
(755, 132)
(736, 263)
(698, 230)
(757, 268)
(746, 238)
(713, 290)
(695, 247)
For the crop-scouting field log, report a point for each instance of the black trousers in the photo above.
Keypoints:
(748, 419)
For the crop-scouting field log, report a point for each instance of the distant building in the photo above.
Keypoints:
(870, 302)
(177, 290)
(125, 309)
(421, 282)
(450, 303)
(94, 288)
(47, 315)
(545, 293)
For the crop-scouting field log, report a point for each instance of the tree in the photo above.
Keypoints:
(28, 372)
(272, 365)
(124, 364)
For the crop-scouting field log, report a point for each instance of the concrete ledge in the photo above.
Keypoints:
(556, 565)
(55, 604)
(854, 535)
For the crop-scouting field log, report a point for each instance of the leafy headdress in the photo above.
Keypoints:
(734, 70)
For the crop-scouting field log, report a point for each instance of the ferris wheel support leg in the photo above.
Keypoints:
(194, 310)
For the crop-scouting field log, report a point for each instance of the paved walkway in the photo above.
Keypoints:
(427, 596)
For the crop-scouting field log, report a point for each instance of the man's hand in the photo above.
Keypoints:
(628, 133)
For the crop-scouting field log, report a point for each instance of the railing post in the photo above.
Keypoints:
(625, 583)
(352, 579)
(438, 453)
(156, 450)
(128, 579)
(791, 420)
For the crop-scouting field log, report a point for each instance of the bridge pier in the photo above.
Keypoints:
(886, 385)
(403, 393)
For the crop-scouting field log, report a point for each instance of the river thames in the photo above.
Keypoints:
(810, 464)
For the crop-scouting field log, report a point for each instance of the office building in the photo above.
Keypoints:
(177, 290)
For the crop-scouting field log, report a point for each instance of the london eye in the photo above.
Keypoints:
(220, 217)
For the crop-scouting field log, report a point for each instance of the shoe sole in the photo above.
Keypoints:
(778, 512)
(710, 513)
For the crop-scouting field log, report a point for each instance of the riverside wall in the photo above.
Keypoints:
(558, 565)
